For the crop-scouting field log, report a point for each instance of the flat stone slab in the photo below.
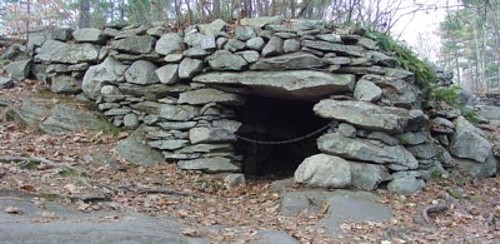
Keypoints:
(303, 84)
(72, 226)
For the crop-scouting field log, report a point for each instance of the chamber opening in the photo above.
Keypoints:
(267, 120)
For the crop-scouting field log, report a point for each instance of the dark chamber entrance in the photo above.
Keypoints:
(269, 119)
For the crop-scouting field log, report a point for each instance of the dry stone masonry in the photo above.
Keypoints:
(181, 92)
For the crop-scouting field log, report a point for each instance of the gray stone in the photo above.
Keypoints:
(210, 135)
(256, 43)
(152, 92)
(118, 111)
(215, 27)
(383, 137)
(233, 180)
(400, 92)
(370, 116)
(272, 237)
(225, 60)
(168, 73)
(207, 148)
(296, 202)
(234, 45)
(365, 150)
(209, 165)
(169, 43)
(285, 35)
(59, 52)
(57, 68)
(442, 125)
(177, 125)
(368, 176)
(134, 44)
(135, 150)
(168, 144)
(148, 107)
(323, 170)
(220, 42)
(424, 151)
(19, 70)
(91, 35)
(66, 118)
(347, 130)
(32, 112)
(413, 138)
(291, 46)
(108, 106)
(210, 95)
(468, 142)
(367, 91)
(65, 84)
(367, 43)
(142, 72)
(304, 85)
(131, 121)
(79, 67)
(178, 112)
(111, 32)
(250, 56)
(382, 59)
(348, 50)
(353, 206)
(362, 62)
(244, 33)
(196, 52)
(226, 124)
(329, 38)
(260, 22)
(313, 51)
(478, 170)
(6, 83)
(408, 184)
(273, 47)
(174, 58)
(296, 61)
(193, 39)
(189, 68)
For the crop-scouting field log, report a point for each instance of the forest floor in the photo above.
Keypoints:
(80, 170)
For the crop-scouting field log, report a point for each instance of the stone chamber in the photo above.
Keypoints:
(191, 96)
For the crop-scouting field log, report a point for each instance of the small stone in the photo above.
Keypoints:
(174, 58)
(367, 91)
(291, 46)
(168, 73)
(142, 72)
(6, 83)
(232, 181)
(131, 121)
(256, 43)
(273, 47)
(189, 68)
(323, 170)
(408, 184)
(234, 45)
(169, 43)
(347, 130)
(244, 33)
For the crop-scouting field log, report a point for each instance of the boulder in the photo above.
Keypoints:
(256, 43)
(291, 46)
(6, 83)
(340, 49)
(209, 165)
(169, 43)
(249, 56)
(215, 27)
(370, 116)
(273, 48)
(225, 60)
(134, 44)
(178, 112)
(367, 91)
(366, 150)
(168, 74)
(59, 52)
(296, 61)
(468, 142)
(135, 150)
(210, 95)
(368, 176)
(189, 68)
(244, 33)
(19, 70)
(323, 170)
(407, 184)
(210, 135)
(478, 170)
(91, 35)
(65, 84)
(303, 85)
(142, 72)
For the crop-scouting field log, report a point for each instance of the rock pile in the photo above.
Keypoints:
(182, 88)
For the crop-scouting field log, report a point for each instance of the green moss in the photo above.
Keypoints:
(106, 127)
(30, 165)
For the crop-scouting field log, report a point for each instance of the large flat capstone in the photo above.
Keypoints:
(303, 84)
(59, 52)
(370, 116)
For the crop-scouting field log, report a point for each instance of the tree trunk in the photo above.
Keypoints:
(84, 18)
(216, 9)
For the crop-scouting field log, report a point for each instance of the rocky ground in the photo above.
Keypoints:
(76, 178)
